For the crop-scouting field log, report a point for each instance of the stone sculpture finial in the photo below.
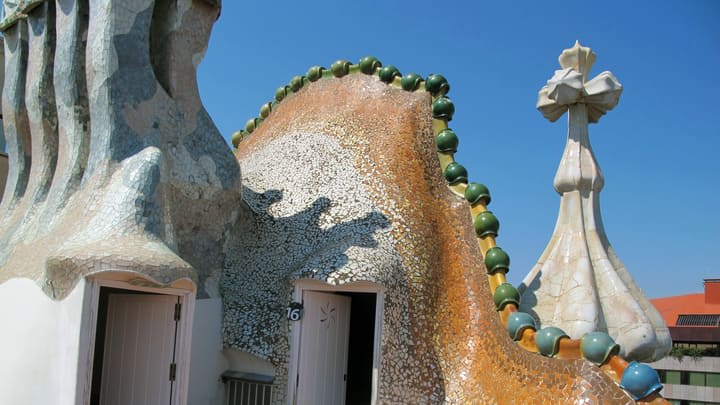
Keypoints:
(579, 284)
(569, 86)
(579, 58)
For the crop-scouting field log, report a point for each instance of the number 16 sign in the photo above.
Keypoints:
(295, 311)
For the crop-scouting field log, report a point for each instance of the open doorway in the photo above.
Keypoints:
(336, 345)
(135, 353)
(360, 348)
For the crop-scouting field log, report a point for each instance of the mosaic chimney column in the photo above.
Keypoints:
(579, 284)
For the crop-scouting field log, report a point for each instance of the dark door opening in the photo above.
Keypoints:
(360, 348)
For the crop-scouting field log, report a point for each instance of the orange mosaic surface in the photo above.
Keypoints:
(458, 348)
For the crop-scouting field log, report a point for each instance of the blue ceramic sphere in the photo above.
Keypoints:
(518, 322)
(640, 380)
(598, 347)
(548, 340)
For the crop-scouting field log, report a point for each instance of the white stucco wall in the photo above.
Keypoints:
(39, 343)
(207, 361)
(39, 347)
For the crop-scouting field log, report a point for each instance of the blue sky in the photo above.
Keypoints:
(658, 149)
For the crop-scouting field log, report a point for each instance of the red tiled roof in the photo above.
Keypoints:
(690, 304)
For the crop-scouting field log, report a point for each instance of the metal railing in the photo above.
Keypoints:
(247, 388)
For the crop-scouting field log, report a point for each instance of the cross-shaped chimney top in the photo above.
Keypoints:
(580, 58)
(570, 86)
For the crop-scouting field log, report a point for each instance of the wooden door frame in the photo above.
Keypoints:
(89, 325)
(358, 287)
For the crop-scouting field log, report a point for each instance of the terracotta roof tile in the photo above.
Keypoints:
(671, 307)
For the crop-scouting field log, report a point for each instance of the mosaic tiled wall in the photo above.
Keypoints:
(342, 183)
(115, 164)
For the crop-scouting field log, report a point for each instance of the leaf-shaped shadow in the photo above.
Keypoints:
(268, 251)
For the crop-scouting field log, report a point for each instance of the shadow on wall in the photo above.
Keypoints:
(3, 160)
(529, 300)
(3, 172)
(266, 252)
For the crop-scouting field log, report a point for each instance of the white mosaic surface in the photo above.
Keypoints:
(310, 217)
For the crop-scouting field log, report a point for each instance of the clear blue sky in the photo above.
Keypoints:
(658, 149)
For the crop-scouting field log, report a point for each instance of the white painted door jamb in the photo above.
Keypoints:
(360, 287)
(88, 335)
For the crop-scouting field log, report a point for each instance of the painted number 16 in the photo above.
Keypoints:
(294, 311)
(293, 314)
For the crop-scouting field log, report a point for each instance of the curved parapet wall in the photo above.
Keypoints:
(114, 162)
(341, 185)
